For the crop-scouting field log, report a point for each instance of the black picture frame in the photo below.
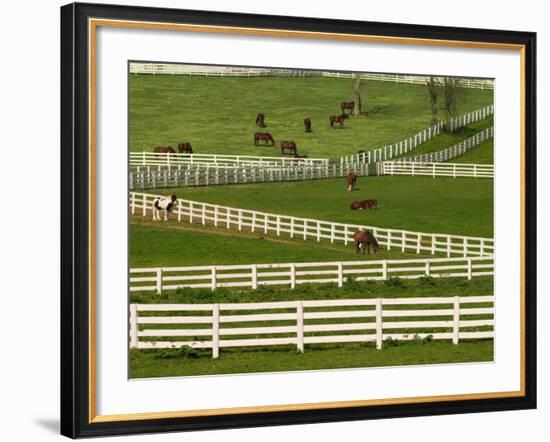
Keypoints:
(76, 417)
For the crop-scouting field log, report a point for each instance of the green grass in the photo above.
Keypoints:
(217, 115)
(482, 154)
(161, 363)
(447, 139)
(462, 206)
(178, 244)
(423, 287)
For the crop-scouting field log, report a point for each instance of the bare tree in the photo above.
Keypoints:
(452, 94)
(433, 92)
(357, 86)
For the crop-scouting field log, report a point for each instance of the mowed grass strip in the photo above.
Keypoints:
(482, 154)
(448, 139)
(217, 115)
(460, 206)
(162, 363)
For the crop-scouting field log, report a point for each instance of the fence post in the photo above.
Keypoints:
(403, 242)
(389, 239)
(300, 326)
(240, 220)
(254, 269)
(465, 247)
(278, 225)
(379, 327)
(318, 231)
(213, 276)
(159, 281)
(448, 246)
(332, 233)
(253, 221)
(144, 204)
(433, 170)
(133, 202)
(385, 270)
(475, 170)
(292, 227)
(456, 319)
(469, 269)
(215, 216)
(427, 267)
(345, 235)
(216, 331)
(340, 274)
(418, 241)
(133, 326)
(203, 214)
(292, 275)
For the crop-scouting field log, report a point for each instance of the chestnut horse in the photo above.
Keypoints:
(364, 238)
(260, 120)
(338, 119)
(350, 105)
(307, 124)
(290, 146)
(160, 149)
(352, 180)
(185, 148)
(365, 204)
(265, 136)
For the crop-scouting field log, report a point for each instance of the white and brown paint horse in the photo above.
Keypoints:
(166, 204)
(364, 239)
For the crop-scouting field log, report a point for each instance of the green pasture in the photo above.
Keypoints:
(217, 114)
(448, 139)
(482, 154)
(181, 244)
(462, 206)
(161, 363)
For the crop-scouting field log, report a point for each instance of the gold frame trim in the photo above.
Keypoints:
(93, 24)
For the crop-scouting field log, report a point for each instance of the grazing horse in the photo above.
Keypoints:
(265, 136)
(344, 106)
(364, 238)
(307, 124)
(160, 149)
(260, 120)
(352, 180)
(338, 119)
(185, 148)
(288, 145)
(166, 204)
(365, 204)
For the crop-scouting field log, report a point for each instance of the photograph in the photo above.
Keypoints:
(285, 219)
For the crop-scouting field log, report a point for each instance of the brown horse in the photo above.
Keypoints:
(265, 136)
(161, 149)
(365, 204)
(352, 180)
(260, 120)
(185, 148)
(365, 238)
(338, 119)
(290, 146)
(307, 124)
(347, 105)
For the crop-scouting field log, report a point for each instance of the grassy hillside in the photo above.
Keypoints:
(217, 115)
(462, 206)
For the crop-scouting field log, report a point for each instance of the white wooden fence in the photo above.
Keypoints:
(159, 279)
(235, 71)
(455, 150)
(436, 169)
(175, 159)
(402, 147)
(152, 177)
(217, 326)
(307, 228)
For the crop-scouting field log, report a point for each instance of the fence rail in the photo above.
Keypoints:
(436, 169)
(217, 326)
(152, 177)
(174, 159)
(229, 71)
(455, 150)
(159, 279)
(307, 228)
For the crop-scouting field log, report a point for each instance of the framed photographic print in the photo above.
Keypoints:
(278, 220)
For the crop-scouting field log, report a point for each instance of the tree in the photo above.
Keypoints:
(452, 94)
(357, 85)
(433, 92)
